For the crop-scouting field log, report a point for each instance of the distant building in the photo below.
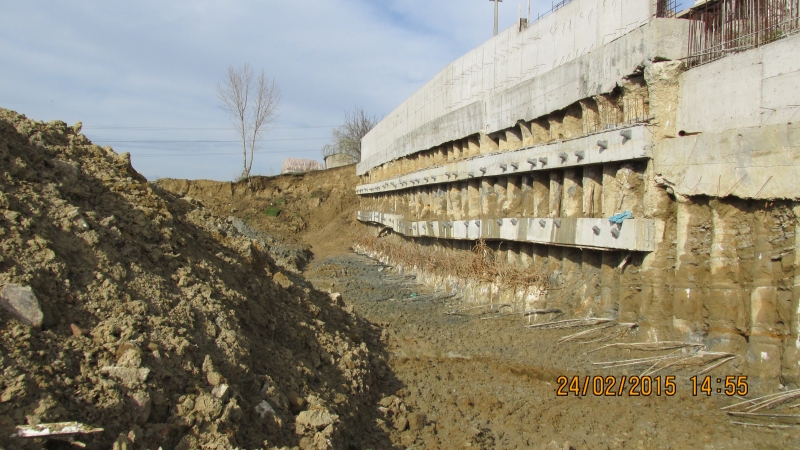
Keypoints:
(295, 165)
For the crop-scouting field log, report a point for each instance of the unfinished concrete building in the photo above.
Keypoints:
(648, 163)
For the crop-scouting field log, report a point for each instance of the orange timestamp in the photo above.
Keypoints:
(616, 386)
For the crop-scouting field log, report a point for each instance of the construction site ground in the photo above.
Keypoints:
(473, 379)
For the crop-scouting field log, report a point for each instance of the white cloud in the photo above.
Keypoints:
(156, 64)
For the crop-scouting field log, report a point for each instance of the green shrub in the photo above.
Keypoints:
(272, 211)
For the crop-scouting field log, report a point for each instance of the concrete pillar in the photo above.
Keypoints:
(513, 254)
(440, 196)
(609, 283)
(488, 144)
(541, 194)
(610, 189)
(790, 370)
(556, 185)
(457, 153)
(464, 211)
(540, 131)
(501, 191)
(488, 198)
(474, 199)
(593, 191)
(514, 196)
(573, 193)
(526, 195)
(526, 254)
(590, 116)
(687, 295)
(474, 145)
(527, 136)
(591, 264)
(513, 138)
(725, 305)
(764, 351)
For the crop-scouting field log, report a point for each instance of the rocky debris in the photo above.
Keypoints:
(20, 301)
(161, 322)
(316, 419)
(129, 376)
(416, 421)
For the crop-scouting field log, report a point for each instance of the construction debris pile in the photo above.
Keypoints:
(128, 309)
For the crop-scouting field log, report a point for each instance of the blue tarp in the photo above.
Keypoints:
(620, 217)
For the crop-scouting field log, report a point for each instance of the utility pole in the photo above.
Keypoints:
(496, 2)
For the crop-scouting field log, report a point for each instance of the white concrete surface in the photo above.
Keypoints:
(754, 88)
(583, 49)
(639, 146)
(633, 234)
(756, 162)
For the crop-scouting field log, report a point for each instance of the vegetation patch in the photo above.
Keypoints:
(272, 211)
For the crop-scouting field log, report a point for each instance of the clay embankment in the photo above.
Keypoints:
(164, 324)
(314, 209)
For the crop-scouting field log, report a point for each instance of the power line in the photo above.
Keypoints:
(101, 127)
(209, 142)
(150, 155)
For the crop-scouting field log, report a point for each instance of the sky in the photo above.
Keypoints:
(141, 76)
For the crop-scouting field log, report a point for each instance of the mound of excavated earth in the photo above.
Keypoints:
(127, 308)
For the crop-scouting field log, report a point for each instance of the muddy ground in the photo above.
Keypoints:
(490, 383)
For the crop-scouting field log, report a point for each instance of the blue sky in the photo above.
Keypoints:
(142, 75)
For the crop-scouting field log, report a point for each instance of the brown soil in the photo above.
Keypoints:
(492, 384)
(315, 209)
(164, 324)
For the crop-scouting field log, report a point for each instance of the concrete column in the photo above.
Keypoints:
(474, 145)
(464, 210)
(540, 131)
(593, 191)
(572, 193)
(764, 350)
(725, 306)
(590, 115)
(526, 195)
(540, 256)
(526, 254)
(474, 199)
(556, 185)
(610, 189)
(488, 198)
(687, 296)
(790, 370)
(513, 138)
(457, 153)
(501, 191)
(527, 136)
(591, 264)
(513, 254)
(488, 144)
(514, 197)
(440, 196)
(609, 283)
(541, 194)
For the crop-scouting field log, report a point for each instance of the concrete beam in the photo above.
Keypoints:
(581, 151)
(633, 234)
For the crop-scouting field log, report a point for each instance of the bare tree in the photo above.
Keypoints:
(347, 136)
(251, 102)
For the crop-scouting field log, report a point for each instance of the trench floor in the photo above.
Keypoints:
(482, 380)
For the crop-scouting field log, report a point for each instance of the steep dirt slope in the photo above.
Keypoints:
(316, 209)
(164, 324)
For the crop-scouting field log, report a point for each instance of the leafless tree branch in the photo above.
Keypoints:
(251, 104)
(346, 138)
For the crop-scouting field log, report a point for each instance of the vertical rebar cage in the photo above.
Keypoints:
(723, 27)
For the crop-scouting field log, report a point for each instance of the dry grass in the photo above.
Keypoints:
(479, 264)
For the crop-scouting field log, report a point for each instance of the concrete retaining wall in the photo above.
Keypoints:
(579, 51)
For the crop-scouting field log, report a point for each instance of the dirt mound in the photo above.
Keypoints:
(163, 323)
(314, 209)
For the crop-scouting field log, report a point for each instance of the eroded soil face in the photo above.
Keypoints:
(492, 384)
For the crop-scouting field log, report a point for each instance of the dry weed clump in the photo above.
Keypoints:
(478, 264)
